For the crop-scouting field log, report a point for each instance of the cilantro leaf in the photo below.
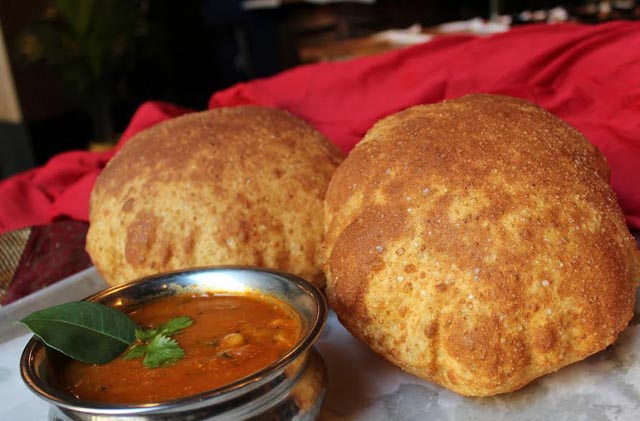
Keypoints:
(174, 325)
(156, 345)
(145, 334)
(162, 350)
(135, 351)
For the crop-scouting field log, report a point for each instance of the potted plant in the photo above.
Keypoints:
(92, 44)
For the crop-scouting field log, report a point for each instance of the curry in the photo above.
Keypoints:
(232, 336)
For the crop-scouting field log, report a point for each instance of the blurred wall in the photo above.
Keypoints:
(9, 106)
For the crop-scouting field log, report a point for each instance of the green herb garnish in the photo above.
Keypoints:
(156, 345)
(96, 334)
(89, 332)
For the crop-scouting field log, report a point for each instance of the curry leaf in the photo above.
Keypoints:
(86, 331)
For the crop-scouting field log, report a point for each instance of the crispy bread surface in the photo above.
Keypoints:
(240, 185)
(477, 243)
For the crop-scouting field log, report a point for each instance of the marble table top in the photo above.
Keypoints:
(364, 386)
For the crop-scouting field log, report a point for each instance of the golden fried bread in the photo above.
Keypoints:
(240, 185)
(477, 243)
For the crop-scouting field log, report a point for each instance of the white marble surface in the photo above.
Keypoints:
(364, 386)
(75, 287)
(17, 403)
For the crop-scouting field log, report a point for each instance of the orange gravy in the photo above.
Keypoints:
(232, 336)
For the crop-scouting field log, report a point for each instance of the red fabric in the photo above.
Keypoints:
(587, 75)
(62, 187)
(149, 114)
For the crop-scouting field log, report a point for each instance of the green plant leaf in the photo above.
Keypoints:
(174, 325)
(162, 350)
(144, 335)
(77, 13)
(89, 332)
(156, 345)
(169, 328)
(136, 351)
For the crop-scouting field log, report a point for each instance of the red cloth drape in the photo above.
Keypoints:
(587, 75)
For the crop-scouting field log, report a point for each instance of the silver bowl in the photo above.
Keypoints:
(293, 387)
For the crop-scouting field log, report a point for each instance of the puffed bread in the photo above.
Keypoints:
(477, 243)
(241, 186)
